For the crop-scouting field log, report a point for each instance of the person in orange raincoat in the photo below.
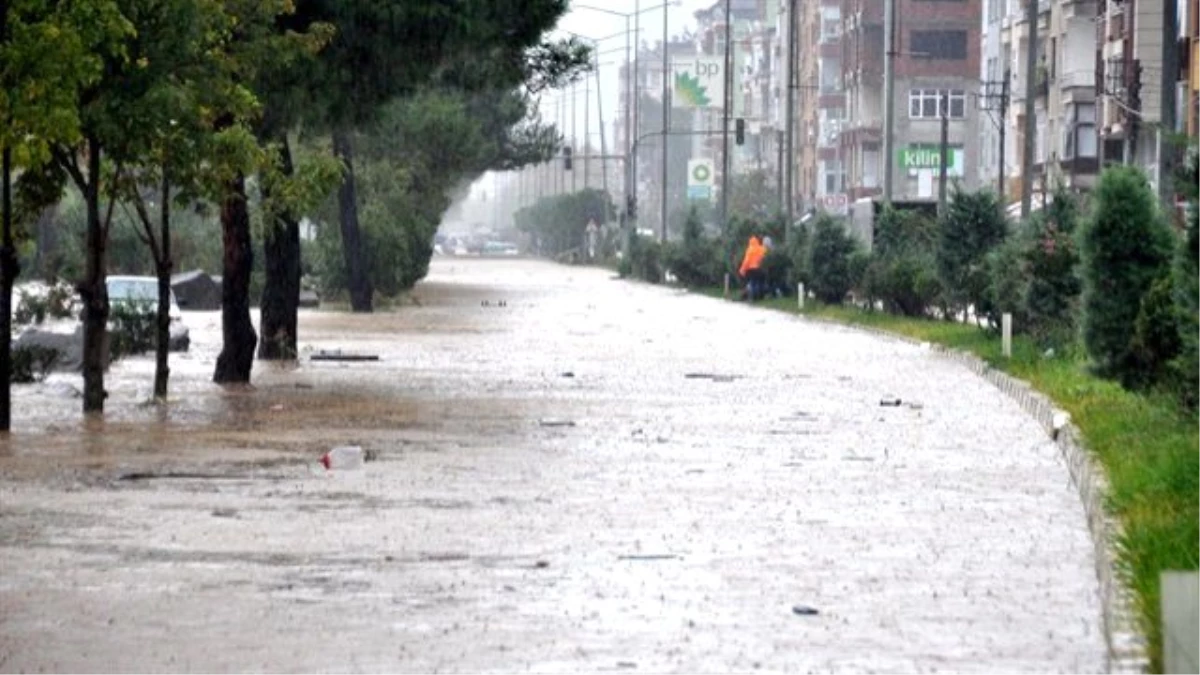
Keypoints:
(751, 269)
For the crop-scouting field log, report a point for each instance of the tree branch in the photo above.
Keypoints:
(112, 202)
(70, 164)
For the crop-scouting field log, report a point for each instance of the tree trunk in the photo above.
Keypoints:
(94, 291)
(358, 280)
(8, 274)
(163, 265)
(281, 293)
(237, 353)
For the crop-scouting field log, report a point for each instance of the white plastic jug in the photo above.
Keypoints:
(343, 457)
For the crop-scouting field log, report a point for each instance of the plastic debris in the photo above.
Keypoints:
(344, 457)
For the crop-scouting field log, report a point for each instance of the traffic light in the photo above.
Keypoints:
(631, 206)
(567, 158)
(740, 136)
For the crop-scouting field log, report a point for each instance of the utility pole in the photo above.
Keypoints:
(587, 136)
(889, 95)
(637, 96)
(600, 119)
(574, 99)
(944, 159)
(727, 105)
(1003, 127)
(628, 196)
(790, 192)
(666, 123)
(1170, 70)
(1031, 19)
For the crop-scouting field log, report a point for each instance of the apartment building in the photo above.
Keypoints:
(1066, 149)
(1147, 83)
(937, 56)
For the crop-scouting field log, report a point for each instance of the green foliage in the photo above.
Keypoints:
(696, 260)
(1156, 336)
(558, 223)
(830, 260)
(646, 259)
(1050, 261)
(32, 363)
(901, 272)
(1008, 281)
(973, 225)
(1126, 247)
(58, 302)
(132, 329)
(1187, 288)
(752, 196)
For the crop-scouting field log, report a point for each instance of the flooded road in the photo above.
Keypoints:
(590, 475)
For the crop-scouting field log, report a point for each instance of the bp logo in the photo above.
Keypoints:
(690, 92)
(701, 173)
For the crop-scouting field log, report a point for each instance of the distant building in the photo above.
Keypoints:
(937, 48)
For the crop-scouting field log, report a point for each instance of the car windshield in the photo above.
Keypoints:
(133, 289)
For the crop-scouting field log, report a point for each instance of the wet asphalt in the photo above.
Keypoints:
(570, 473)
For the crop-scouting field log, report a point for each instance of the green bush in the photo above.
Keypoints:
(902, 271)
(32, 363)
(1008, 281)
(132, 329)
(797, 250)
(696, 260)
(1156, 337)
(645, 259)
(1051, 257)
(1126, 247)
(973, 225)
(1185, 367)
(830, 261)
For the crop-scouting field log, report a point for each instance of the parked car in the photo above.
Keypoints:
(144, 291)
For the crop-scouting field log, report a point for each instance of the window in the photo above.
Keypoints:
(939, 44)
(930, 103)
(1079, 138)
(830, 28)
(835, 176)
(870, 168)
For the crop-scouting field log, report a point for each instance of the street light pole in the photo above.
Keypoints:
(889, 95)
(666, 122)
(728, 86)
(790, 193)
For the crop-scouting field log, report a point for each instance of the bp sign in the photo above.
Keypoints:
(700, 179)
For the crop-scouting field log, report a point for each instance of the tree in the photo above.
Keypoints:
(106, 128)
(188, 85)
(48, 56)
(902, 271)
(1051, 258)
(383, 50)
(752, 196)
(973, 225)
(830, 260)
(1187, 285)
(1126, 247)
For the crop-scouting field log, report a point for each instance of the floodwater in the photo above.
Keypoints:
(572, 473)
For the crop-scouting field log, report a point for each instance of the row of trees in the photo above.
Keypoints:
(259, 108)
(1113, 279)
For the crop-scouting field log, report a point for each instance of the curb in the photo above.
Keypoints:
(1126, 644)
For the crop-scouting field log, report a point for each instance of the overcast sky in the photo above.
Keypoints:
(598, 25)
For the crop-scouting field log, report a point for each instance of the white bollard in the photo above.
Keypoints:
(726, 285)
(1006, 334)
(800, 296)
(1181, 621)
